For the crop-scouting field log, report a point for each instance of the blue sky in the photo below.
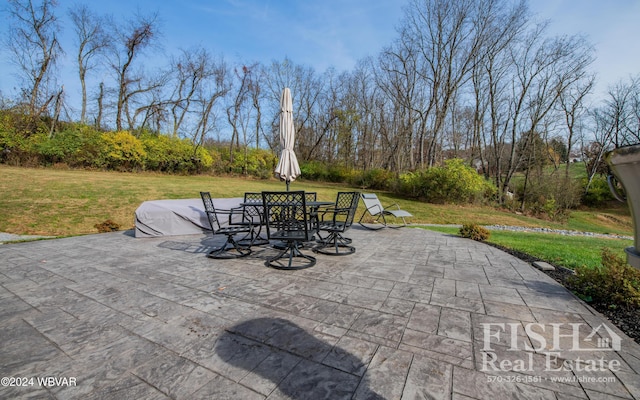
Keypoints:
(337, 33)
(612, 26)
(315, 33)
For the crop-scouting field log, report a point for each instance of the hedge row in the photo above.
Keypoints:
(84, 147)
(453, 182)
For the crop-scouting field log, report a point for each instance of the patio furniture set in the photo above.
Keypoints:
(292, 222)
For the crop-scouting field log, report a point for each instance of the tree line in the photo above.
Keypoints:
(478, 80)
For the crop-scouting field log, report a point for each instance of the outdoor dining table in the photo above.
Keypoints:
(311, 205)
(311, 210)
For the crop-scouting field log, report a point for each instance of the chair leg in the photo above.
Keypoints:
(323, 241)
(339, 245)
(231, 249)
(291, 253)
(254, 238)
(377, 228)
(404, 223)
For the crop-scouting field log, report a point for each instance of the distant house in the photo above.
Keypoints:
(575, 157)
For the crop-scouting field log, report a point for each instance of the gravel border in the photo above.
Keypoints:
(10, 237)
(564, 232)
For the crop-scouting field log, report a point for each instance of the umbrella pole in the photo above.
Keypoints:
(288, 181)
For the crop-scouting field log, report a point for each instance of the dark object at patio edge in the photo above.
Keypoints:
(627, 319)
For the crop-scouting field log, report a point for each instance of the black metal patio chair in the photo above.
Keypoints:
(231, 248)
(252, 216)
(313, 212)
(286, 219)
(335, 221)
(310, 196)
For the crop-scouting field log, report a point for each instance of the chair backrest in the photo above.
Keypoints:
(348, 200)
(355, 199)
(372, 203)
(210, 210)
(310, 196)
(254, 213)
(286, 216)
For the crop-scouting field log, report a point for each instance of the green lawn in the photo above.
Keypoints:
(561, 250)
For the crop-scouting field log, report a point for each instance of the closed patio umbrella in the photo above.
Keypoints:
(287, 168)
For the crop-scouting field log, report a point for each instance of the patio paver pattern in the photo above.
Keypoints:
(412, 314)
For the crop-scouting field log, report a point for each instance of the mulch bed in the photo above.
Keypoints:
(627, 319)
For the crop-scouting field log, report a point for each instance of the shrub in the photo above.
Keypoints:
(612, 283)
(90, 153)
(204, 159)
(254, 162)
(319, 171)
(475, 232)
(18, 121)
(174, 155)
(549, 196)
(9, 141)
(454, 182)
(157, 149)
(76, 146)
(107, 226)
(338, 173)
(246, 161)
(58, 148)
(598, 194)
(313, 170)
(20, 149)
(122, 151)
(374, 178)
(407, 184)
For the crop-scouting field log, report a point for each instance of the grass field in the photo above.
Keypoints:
(566, 251)
(71, 202)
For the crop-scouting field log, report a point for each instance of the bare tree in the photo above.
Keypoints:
(616, 124)
(215, 86)
(573, 107)
(100, 101)
(306, 89)
(630, 124)
(255, 89)
(33, 41)
(190, 70)
(544, 69)
(490, 79)
(633, 125)
(362, 88)
(153, 109)
(448, 36)
(198, 81)
(133, 39)
(327, 131)
(593, 148)
(92, 41)
(398, 79)
(241, 113)
(237, 106)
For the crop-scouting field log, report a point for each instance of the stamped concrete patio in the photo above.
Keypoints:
(412, 314)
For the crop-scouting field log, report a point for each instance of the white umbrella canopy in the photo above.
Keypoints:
(287, 168)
